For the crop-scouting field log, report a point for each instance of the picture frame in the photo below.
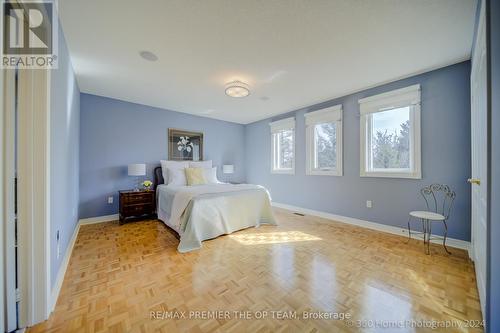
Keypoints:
(185, 145)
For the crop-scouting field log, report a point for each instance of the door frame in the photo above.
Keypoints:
(481, 281)
(9, 217)
(33, 197)
(2, 154)
(33, 173)
(491, 166)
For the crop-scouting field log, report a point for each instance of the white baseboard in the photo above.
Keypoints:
(64, 264)
(99, 219)
(62, 269)
(452, 242)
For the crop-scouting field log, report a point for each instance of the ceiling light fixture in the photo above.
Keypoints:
(148, 55)
(237, 89)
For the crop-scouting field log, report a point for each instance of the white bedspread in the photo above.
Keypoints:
(203, 212)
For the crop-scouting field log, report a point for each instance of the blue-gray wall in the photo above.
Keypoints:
(493, 303)
(445, 157)
(64, 155)
(116, 133)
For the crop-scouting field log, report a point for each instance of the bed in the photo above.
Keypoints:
(201, 212)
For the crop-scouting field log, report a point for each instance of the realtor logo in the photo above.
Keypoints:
(29, 34)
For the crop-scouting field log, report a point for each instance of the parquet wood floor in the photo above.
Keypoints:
(119, 276)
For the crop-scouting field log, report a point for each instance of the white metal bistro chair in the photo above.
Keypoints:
(439, 201)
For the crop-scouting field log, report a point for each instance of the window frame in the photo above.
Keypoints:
(328, 115)
(277, 127)
(405, 97)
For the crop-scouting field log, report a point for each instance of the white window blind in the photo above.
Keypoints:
(324, 142)
(283, 146)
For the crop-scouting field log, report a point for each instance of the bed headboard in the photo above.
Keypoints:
(158, 177)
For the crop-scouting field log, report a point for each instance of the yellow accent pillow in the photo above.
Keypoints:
(195, 176)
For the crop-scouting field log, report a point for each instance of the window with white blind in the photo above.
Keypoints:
(283, 146)
(390, 134)
(324, 142)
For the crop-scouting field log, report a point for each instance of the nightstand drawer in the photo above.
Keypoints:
(139, 209)
(136, 204)
(138, 198)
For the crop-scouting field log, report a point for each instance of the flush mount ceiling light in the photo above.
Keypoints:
(148, 55)
(237, 89)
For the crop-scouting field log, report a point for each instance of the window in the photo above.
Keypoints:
(324, 142)
(390, 134)
(283, 146)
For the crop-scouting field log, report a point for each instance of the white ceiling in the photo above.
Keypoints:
(292, 53)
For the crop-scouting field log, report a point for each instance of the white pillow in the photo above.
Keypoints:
(201, 164)
(165, 165)
(177, 177)
(211, 175)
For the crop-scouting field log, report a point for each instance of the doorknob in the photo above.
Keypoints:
(474, 181)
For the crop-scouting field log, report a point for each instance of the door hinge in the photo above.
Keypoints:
(18, 295)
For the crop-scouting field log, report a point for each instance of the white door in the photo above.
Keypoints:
(478, 178)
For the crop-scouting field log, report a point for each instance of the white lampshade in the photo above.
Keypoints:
(228, 168)
(137, 169)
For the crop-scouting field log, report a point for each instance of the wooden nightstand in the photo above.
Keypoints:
(136, 204)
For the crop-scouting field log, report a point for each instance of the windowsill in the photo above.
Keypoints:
(324, 173)
(391, 174)
(283, 172)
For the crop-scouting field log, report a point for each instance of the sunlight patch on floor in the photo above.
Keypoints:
(274, 237)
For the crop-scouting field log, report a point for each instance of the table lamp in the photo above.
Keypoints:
(137, 170)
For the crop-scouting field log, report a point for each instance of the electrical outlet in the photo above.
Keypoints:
(110, 200)
(369, 204)
(58, 252)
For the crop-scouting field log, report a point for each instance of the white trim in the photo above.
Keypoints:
(396, 92)
(481, 27)
(69, 250)
(9, 217)
(390, 100)
(283, 124)
(331, 114)
(3, 305)
(479, 48)
(401, 231)
(99, 219)
(409, 96)
(62, 269)
(324, 172)
(283, 171)
(34, 196)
